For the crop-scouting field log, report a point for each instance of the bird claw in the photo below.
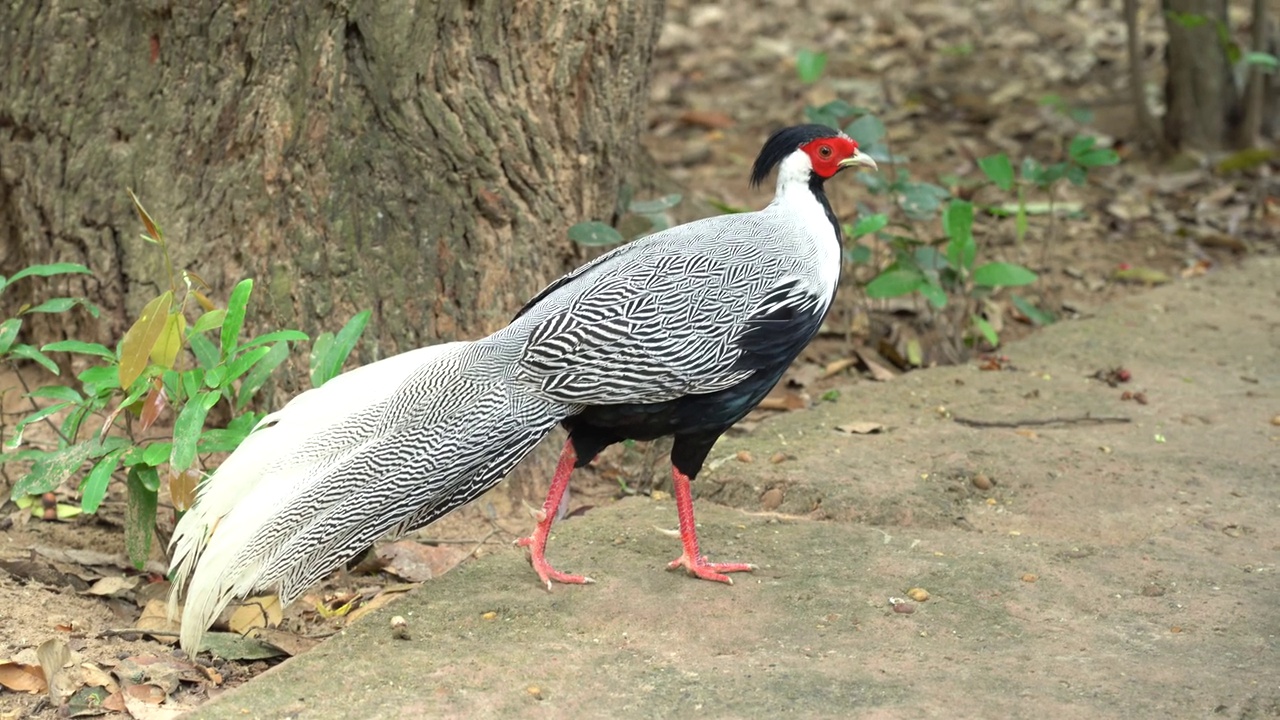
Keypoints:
(700, 568)
(545, 572)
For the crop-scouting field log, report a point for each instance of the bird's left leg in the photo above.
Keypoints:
(537, 543)
(692, 560)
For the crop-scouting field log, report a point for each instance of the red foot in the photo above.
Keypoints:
(700, 568)
(537, 543)
(692, 559)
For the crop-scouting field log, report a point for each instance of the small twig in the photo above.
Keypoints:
(35, 406)
(454, 541)
(1085, 420)
(466, 557)
(117, 632)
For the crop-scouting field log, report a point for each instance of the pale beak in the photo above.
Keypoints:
(859, 158)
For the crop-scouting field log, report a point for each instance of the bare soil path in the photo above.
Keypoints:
(1108, 569)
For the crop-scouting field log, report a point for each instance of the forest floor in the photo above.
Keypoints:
(1087, 556)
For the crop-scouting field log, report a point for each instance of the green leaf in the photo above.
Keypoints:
(860, 254)
(1020, 223)
(39, 415)
(866, 131)
(998, 274)
(99, 380)
(868, 224)
(987, 330)
(920, 200)
(49, 270)
(1080, 145)
(56, 392)
(209, 321)
(1098, 158)
(140, 520)
(53, 305)
(1266, 61)
(156, 453)
(202, 347)
(8, 333)
(50, 471)
(243, 362)
(594, 234)
(809, 65)
(186, 432)
(278, 335)
(999, 170)
(1033, 313)
(94, 487)
(237, 305)
(229, 438)
(142, 338)
(657, 205)
(260, 372)
(30, 353)
(335, 353)
(78, 346)
(893, 283)
(957, 221)
(934, 294)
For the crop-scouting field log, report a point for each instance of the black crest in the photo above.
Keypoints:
(782, 143)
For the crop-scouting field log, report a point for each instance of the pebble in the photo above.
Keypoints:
(1030, 577)
(918, 594)
(1152, 590)
(772, 499)
(904, 608)
(535, 692)
(982, 482)
(399, 628)
(744, 457)
(491, 615)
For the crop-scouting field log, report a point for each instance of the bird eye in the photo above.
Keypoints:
(824, 152)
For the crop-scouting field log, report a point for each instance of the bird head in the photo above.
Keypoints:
(819, 151)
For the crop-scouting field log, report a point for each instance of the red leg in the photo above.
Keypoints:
(692, 560)
(537, 543)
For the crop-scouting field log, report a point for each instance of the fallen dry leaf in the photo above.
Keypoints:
(256, 612)
(861, 428)
(415, 562)
(20, 677)
(709, 119)
(61, 675)
(382, 598)
(288, 643)
(113, 586)
(155, 617)
(146, 692)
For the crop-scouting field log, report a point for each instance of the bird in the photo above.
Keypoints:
(679, 333)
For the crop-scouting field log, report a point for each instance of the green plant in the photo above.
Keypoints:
(652, 216)
(946, 272)
(163, 366)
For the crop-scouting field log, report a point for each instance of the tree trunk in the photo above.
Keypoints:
(1208, 109)
(420, 160)
(1200, 92)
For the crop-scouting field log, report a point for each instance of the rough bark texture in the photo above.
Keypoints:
(420, 159)
(1201, 95)
(1207, 108)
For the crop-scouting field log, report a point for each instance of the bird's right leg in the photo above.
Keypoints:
(537, 543)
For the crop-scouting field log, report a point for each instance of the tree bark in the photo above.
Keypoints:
(422, 160)
(1200, 92)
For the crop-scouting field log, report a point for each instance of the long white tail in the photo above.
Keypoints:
(389, 446)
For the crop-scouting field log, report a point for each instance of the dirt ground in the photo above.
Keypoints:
(1084, 556)
(1086, 567)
